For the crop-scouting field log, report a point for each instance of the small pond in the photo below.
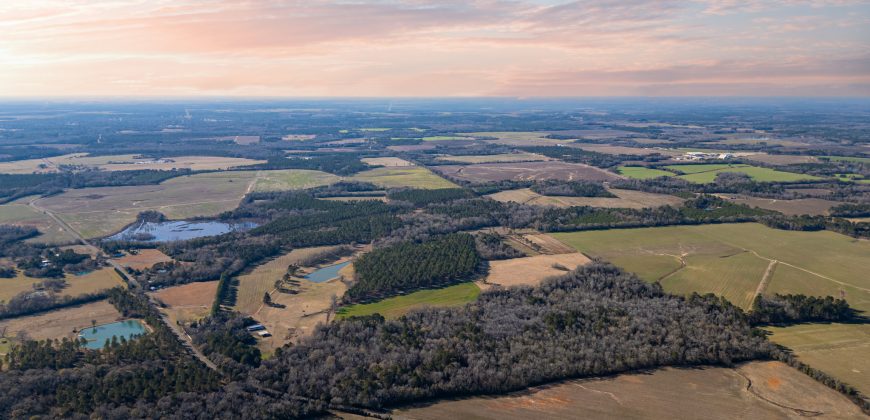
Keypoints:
(97, 336)
(326, 273)
(177, 230)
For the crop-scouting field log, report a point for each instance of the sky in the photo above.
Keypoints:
(445, 48)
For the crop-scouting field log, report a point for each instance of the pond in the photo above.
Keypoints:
(97, 336)
(177, 230)
(326, 273)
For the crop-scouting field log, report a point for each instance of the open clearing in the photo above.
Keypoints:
(622, 150)
(530, 271)
(500, 158)
(145, 258)
(519, 138)
(394, 307)
(414, 177)
(292, 179)
(840, 350)
(20, 213)
(776, 392)
(527, 171)
(811, 206)
(624, 199)
(706, 173)
(188, 302)
(640, 172)
(100, 211)
(386, 161)
(61, 322)
(104, 278)
(123, 163)
(731, 259)
(782, 159)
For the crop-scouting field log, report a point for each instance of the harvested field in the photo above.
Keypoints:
(695, 258)
(595, 133)
(782, 159)
(123, 163)
(501, 158)
(104, 278)
(811, 206)
(840, 350)
(100, 211)
(145, 258)
(530, 271)
(775, 391)
(621, 150)
(298, 137)
(414, 177)
(543, 243)
(61, 322)
(624, 199)
(519, 138)
(292, 179)
(188, 302)
(526, 171)
(394, 307)
(246, 140)
(386, 161)
(20, 213)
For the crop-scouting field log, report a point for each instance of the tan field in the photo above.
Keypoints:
(756, 390)
(20, 213)
(624, 199)
(104, 278)
(246, 140)
(526, 171)
(123, 163)
(146, 258)
(530, 271)
(414, 177)
(781, 159)
(189, 302)
(622, 150)
(545, 244)
(811, 206)
(504, 157)
(61, 323)
(386, 161)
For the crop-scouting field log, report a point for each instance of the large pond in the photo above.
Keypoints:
(177, 230)
(326, 273)
(97, 336)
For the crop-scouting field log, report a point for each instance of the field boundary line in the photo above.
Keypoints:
(765, 279)
(799, 411)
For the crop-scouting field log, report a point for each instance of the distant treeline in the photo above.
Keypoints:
(335, 163)
(16, 186)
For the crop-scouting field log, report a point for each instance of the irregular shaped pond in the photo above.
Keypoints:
(177, 230)
(326, 273)
(97, 337)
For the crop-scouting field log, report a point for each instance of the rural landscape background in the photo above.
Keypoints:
(428, 210)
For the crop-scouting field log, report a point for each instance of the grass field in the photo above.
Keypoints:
(640, 172)
(414, 177)
(782, 159)
(706, 173)
(104, 278)
(621, 150)
(456, 295)
(530, 271)
(624, 199)
(519, 138)
(61, 322)
(814, 263)
(446, 138)
(504, 157)
(292, 179)
(812, 206)
(848, 159)
(101, 211)
(145, 258)
(20, 213)
(386, 161)
(123, 163)
(776, 392)
(840, 350)
(188, 302)
(520, 171)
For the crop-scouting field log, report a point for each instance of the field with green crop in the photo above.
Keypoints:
(395, 307)
(414, 177)
(731, 259)
(640, 172)
(706, 173)
(292, 179)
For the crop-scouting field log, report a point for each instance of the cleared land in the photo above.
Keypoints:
(519, 138)
(530, 271)
(292, 179)
(640, 172)
(386, 161)
(527, 171)
(414, 177)
(624, 199)
(104, 278)
(775, 391)
(706, 173)
(189, 302)
(61, 323)
(782, 159)
(101, 211)
(145, 258)
(20, 213)
(500, 158)
(123, 163)
(840, 350)
(621, 150)
(391, 308)
(811, 206)
(730, 259)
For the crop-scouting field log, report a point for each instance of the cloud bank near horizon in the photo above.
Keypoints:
(435, 48)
